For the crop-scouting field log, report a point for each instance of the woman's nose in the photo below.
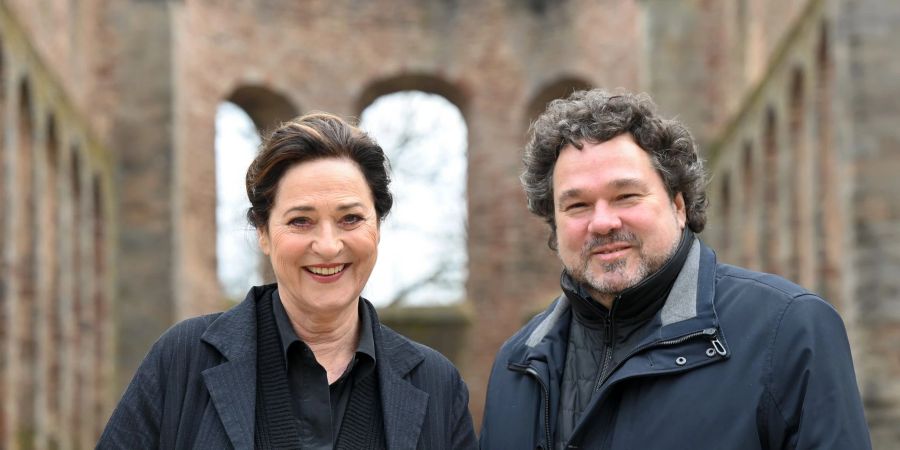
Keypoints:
(328, 243)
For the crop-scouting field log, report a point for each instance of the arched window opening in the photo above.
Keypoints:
(829, 228)
(771, 242)
(727, 220)
(422, 255)
(799, 161)
(238, 260)
(75, 339)
(5, 175)
(750, 248)
(100, 307)
(24, 267)
(52, 242)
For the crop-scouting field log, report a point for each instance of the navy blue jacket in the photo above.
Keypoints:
(737, 360)
(196, 389)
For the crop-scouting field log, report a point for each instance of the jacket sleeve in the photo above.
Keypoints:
(813, 394)
(135, 423)
(463, 431)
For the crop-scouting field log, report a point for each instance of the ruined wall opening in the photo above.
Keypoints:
(52, 338)
(771, 234)
(24, 267)
(726, 208)
(100, 306)
(240, 120)
(5, 176)
(422, 253)
(799, 160)
(750, 249)
(75, 373)
(828, 226)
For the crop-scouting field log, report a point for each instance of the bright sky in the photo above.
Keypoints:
(422, 240)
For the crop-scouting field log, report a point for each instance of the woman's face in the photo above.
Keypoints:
(322, 235)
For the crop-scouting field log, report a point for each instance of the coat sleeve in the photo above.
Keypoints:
(814, 398)
(463, 433)
(135, 423)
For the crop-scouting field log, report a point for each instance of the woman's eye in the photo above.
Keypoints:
(352, 219)
(300, 222)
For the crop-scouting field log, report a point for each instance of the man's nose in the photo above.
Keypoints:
(604, 220)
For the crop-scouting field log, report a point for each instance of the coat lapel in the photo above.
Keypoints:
(404, 405)
(232, 384)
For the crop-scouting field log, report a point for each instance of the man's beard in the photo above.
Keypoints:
(603, 286)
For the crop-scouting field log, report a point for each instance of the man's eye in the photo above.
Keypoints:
(574, 206)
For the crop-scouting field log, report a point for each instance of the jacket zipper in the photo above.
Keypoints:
(545, 394)
(712, 333)
(610, 334)
(607, 358)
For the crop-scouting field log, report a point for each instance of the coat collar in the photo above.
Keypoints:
(688, 308)
(233, 334)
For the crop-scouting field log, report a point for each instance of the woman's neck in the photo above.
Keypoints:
(332, 338)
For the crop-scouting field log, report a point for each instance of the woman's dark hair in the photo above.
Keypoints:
(597, 116)
(307, 138)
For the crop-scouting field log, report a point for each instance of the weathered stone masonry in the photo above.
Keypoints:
(107, 177)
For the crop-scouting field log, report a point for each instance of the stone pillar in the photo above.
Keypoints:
(141, 141)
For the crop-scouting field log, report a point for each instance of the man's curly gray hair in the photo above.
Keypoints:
(597, 116)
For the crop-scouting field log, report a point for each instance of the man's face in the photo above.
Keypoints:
(614, 219)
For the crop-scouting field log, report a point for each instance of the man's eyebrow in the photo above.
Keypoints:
(622, 183)
(569, 193)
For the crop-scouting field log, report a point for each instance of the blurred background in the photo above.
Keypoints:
(127, 126)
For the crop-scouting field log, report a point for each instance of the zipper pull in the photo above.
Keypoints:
(717, 346)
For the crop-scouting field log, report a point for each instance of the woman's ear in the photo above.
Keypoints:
(262, 236)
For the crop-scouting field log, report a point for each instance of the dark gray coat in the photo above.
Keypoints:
(197, 389)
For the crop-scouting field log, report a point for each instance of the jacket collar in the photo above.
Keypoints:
(233, 334)
(688, 308)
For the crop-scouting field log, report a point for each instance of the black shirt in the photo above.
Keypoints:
(319, 407)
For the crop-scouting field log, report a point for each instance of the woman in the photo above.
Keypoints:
(303, 363)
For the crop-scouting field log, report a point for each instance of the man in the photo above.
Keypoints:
(653, 344)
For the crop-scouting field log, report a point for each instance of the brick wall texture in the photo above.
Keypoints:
(107, 171)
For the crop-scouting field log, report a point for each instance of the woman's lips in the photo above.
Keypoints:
(326, 273)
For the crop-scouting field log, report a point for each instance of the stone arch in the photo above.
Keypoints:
(559, 88)
(411, 82)
(771, 242)
(265, 107)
